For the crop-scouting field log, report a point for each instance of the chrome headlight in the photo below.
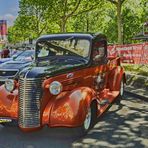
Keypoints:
(9, 85)
(55, 88)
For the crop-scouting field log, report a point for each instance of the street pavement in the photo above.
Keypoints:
(124, 125)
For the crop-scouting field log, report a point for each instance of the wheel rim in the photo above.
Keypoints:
(87, 120)
(121, 88)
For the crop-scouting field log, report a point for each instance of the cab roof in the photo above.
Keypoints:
(89, 36)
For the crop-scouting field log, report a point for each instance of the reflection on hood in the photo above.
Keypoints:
(5, 60)
(14, 65)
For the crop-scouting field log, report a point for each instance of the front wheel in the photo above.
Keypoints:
(89, 119)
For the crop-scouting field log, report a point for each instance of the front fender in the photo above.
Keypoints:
(8, 103)
(69, 108)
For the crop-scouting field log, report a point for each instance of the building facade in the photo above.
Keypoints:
(3, 30)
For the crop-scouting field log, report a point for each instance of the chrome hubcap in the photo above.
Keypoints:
(87, 120)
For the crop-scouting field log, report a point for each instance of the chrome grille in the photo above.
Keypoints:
(30, 92)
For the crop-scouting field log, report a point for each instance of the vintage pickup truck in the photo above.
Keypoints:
(71, 83)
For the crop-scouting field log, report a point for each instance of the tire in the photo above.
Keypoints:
(121, 89)
(121, 93)
(90, 119)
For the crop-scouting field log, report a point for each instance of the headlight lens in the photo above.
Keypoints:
(9, 85)
(55, 88)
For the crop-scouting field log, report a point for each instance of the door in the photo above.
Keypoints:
(99, 57)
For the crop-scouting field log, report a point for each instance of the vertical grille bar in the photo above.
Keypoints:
(30, 92)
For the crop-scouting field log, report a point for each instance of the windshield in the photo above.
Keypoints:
(16, 53)
(26, 55)
(68, 47)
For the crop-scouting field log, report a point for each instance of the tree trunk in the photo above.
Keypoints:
(63, 25)
(119, 23)
(87, 22)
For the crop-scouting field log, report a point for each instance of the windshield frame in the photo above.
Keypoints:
(63, 37)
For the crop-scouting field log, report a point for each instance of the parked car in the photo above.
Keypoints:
(16, 54)
(71, 84)
(11, 69)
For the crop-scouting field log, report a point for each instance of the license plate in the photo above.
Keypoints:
(4, 120)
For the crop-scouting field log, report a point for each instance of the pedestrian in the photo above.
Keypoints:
(5, 53)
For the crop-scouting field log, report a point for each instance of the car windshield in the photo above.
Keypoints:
(16, 53)
(25, 55)
(64, 47)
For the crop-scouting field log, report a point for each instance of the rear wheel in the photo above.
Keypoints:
(121, 88)
(121, 92)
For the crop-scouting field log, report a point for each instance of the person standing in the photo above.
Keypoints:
(5, 53)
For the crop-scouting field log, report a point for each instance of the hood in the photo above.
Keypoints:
(15, 64)
(5, 60)
(38, 72)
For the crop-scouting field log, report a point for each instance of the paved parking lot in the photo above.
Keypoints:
(124, 125)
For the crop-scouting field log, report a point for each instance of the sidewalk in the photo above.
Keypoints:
(137, 84)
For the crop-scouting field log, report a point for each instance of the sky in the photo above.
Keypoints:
(9, 10)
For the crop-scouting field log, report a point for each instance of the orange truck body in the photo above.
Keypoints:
(80, 87)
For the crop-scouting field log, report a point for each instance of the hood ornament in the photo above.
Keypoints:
(70, 75)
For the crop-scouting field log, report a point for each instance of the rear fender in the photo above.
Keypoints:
(69, 108)
(115, 77)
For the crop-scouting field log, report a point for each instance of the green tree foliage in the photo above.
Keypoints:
(118, 4)
(135, 14)
(37, 13)
(120, 20)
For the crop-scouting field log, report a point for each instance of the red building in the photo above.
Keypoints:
(3, 30)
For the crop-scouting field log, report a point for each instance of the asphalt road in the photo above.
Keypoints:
(124, 125)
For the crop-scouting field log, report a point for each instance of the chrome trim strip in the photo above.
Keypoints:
(3, 80)
(8, 69)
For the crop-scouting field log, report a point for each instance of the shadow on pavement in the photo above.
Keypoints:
(125, 124)
(12, 137)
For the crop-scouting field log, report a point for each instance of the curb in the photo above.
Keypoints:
(145, 98)
(137, 85)
(137, 81)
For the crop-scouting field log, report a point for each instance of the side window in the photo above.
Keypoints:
(99, 52)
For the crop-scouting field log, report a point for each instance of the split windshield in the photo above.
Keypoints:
(63, 47)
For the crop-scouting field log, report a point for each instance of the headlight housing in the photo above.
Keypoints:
(9, 85)
(55, 88)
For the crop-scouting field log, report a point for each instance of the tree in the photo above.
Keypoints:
(37, 17)
(36, 13)
(118, 4)
(67, 9)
